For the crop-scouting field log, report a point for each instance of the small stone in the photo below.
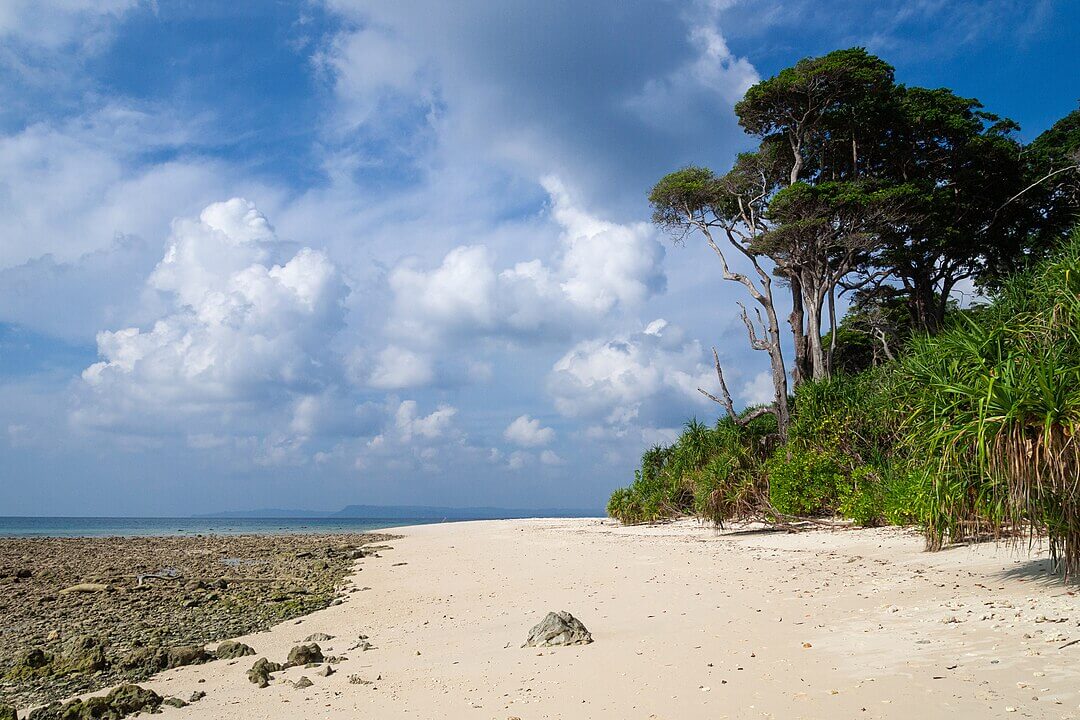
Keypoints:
(302, 683)
(174, 702)
(196, 696)
(318, 637)
(327, 671)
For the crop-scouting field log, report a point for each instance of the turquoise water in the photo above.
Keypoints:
(102, 527)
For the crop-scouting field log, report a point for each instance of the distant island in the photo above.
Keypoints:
(412, 512)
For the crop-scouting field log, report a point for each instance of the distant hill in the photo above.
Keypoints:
(411, 512)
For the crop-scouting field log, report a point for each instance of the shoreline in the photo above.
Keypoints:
(687, 623)
(79, 614)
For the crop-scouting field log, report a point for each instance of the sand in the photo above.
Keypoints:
(687, 623)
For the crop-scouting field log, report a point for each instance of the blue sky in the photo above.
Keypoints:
(305, 254)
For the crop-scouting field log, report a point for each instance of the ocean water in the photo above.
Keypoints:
(132, 526)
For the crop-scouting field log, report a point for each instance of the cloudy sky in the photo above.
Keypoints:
(303, 254)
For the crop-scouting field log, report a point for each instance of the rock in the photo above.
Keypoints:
(196, 696)
(231, 649)
(304, 654)
(318, 637)
(8, 713)
(559, 628)
(121, 702)
(85, 588)
(84, 654)
(325, 672)
(174, 702)
(23, 573)
(260, 671)
(183, 655)
(302, 683)
(34, 659)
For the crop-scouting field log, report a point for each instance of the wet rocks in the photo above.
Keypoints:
(82, 654)
(147, 595)
(121, 702)
(558, 628)
(304, 655)
(231, 649)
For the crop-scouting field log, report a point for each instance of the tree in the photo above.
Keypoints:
(1052, 190)
(823, 110)
(695, 199)
(963, 166)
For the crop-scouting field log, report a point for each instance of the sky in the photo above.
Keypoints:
(306, 254)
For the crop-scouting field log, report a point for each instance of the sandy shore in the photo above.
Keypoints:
(687, 624)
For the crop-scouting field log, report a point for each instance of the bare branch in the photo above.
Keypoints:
(727, 402)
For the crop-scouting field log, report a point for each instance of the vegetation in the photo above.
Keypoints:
(908, 410)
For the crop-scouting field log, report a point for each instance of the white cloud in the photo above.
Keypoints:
(644, 375)
(399, 368)
(758, 390)
(550, 457)
(240, 333)
(528, 432)
(601, 266)
(411, 424)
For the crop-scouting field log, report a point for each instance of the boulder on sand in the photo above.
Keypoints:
(304, 654)
(260, 672)
(558, 628)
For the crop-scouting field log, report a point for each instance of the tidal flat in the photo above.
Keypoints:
(82, 614)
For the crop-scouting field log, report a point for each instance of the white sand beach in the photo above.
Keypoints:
(688, 623)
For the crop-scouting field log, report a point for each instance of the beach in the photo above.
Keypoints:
(687, 623)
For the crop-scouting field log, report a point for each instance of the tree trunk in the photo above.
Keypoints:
(800, 369)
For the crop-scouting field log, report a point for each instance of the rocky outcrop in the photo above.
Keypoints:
(558, 628)
(121, 702)
(231, 649)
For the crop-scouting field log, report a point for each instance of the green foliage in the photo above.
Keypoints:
(997, 399)
(804, 482)
(713, 472)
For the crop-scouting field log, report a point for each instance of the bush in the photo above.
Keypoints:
(997, 398)
(711, 472)
(804, 482)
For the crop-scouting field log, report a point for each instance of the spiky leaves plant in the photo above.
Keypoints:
(997, 400)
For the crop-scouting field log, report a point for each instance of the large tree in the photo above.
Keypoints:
(963, 165)
(694, 199)
(816, 118)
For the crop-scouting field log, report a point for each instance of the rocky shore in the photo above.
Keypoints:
(80, 614)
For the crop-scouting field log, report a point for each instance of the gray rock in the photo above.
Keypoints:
(302, 683)
(196, 696)
(559, 628)
(318, 637)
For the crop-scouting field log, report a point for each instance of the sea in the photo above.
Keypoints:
(149, 526)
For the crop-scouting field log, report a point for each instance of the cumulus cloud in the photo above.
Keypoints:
(528, 432)
(410, 424)
(241, 331)
(399, 368)
(600, 267)
(652, 373)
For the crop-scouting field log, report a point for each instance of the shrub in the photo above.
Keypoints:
(804, 482)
